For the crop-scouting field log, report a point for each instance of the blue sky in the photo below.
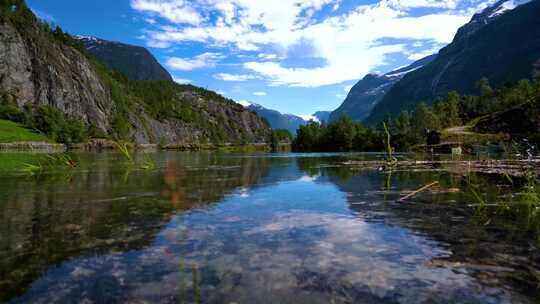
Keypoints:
(296, 56)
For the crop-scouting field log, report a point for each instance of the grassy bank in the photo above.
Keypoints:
(11, 132)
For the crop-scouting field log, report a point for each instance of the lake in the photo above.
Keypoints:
(262, 228)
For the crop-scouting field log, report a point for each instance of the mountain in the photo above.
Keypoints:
(502, 43)
(369, 91)
(322, 116)
(136, 62)
(278, 120)
(46, 71)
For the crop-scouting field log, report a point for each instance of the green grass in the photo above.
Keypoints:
(13, 132)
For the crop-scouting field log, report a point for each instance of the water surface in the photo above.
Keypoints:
(233, 228)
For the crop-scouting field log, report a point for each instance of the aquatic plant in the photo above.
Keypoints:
(147, 164)
(63, 159)
(390, 159)
(124, 151)
(49, 162)
(31, 169)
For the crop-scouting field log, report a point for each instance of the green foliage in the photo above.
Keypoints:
(280, 136)
(54, 123)
(341, 135)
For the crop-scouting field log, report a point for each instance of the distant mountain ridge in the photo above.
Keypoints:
(278, 120)
(502, 43)
(369, 91)
(136, 62)
(289, 122)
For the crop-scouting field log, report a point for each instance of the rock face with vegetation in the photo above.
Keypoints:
(369, 91)
(499, 45)
(136, 62)
(37, 71)
(59, 88)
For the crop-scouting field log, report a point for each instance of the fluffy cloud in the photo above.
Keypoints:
(259, 93)
(181, 80)
(188, 64)
(351, 44)
(234, 77)
(407, 4)
(177, 11)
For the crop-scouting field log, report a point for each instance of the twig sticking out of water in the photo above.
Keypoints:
(406, 197)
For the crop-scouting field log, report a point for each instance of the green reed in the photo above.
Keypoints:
(146, 164)
(390, 159)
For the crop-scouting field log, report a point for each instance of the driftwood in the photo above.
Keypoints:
(406, 197)
(509, 167)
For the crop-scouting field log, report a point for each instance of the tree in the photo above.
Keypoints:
(484, 87)
(448, 110)
(308, 137)
(340, 134)
(424, 119)
(280, 136)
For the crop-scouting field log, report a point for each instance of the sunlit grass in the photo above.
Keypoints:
(11, 132)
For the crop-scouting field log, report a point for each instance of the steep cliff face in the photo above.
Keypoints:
(229, 123)
(37, 69)
(135, 62)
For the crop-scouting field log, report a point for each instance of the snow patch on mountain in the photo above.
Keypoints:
(401, 74)
(505, 7)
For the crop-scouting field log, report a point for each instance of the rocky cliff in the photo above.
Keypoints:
(38, 68)
(35, 71)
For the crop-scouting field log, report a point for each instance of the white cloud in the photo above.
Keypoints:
(234, 77)
(187, 64)
(177, 11)
(350, 44)
(309, 117)
(181, 80)
(407, 4)
(268, 56)
(259, 93)
(150, 20)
